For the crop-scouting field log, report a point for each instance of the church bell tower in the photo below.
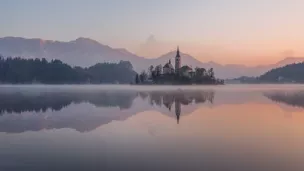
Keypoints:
(177, 61)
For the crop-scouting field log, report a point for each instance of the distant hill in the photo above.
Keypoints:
(292, 73)
(85, 52)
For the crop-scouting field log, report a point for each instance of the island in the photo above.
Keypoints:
(178, 75)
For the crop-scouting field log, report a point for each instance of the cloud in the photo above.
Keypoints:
(152, 47)
(288, 53)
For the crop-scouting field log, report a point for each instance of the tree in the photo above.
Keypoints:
(158, 70)
(143, 77)
(151, 71)
(136, 79)
(200, 72)
(126, 64)
(211, 73)
(200, 75)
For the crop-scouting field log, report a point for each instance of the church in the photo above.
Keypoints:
(168, 69)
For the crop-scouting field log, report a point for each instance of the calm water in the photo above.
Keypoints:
(152, 128)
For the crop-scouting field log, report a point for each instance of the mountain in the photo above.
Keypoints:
(86, 52)
(80, 52)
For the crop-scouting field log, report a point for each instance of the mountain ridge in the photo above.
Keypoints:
(85, 52)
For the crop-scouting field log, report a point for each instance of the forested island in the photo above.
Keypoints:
(198, 76)
(178, 75)
(35, 71)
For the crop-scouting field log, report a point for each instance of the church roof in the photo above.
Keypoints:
(168, 65)
(186, 67)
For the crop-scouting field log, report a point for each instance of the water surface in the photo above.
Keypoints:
(239, 127)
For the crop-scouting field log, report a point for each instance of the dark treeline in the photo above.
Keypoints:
(292, 73)
(27, 71)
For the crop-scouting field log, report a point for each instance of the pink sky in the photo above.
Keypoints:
(250, 54)
(250, 32)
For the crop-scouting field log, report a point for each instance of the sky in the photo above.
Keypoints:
(250, 32)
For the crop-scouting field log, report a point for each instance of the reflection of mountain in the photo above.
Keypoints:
(292, 98)
(87, 110)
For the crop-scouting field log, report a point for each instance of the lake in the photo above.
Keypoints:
(230, 127)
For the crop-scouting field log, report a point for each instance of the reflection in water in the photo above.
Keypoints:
(292, 98)
(61, 109)
(179, 98)
(222, 129)
(41, 102)
(18, 103)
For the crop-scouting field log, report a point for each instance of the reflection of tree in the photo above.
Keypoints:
(123, 100)
(178, 98)
(156, 98)
(17, 102)
(143, 95)
(56, 100)
(14, 102)
(185, 97)
(289, 98)
(168, 101)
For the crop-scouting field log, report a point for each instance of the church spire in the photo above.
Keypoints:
(177, 52)
(177, 61)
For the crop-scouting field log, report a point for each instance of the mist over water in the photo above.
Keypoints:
(112, 127)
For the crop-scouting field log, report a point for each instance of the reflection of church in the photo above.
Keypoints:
(178, 109)
(178, 98)
(168, 69)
